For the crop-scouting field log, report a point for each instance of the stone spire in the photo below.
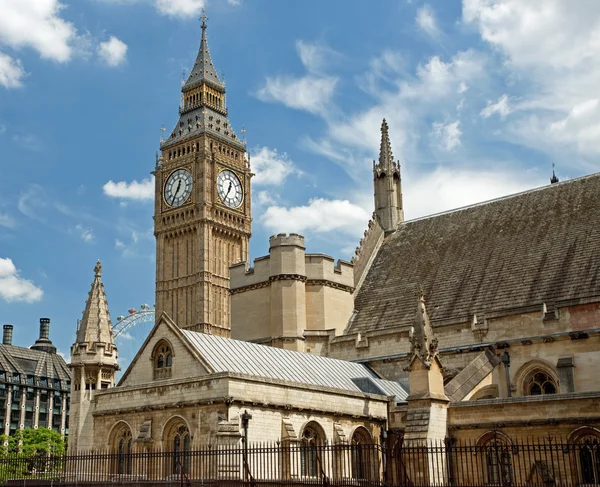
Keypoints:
(204, 69)
(386, 158)
(94, 363)
(95, 325)
(423, 341)
(388, 187)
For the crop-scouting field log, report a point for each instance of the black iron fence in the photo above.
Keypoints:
(497, 462)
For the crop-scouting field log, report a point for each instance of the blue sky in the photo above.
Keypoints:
(481, 96)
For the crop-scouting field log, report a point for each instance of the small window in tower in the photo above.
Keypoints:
(163, 360)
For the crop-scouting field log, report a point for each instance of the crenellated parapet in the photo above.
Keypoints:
(366, 250)
(287, 257)
(288, 292)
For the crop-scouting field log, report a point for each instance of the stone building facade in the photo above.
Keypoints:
(475, 324)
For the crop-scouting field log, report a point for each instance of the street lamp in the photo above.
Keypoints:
(246, 417)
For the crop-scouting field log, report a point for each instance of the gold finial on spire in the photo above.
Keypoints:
(203, 19)
(243, 133)
(98, 269)
(162, 133)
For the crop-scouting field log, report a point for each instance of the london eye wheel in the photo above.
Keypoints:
(145, 314)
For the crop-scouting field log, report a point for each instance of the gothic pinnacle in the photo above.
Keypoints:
(386, 158)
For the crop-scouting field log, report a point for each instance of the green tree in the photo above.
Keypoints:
(31, 452)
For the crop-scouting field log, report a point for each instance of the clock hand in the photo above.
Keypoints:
(228, 190)
(178, 186)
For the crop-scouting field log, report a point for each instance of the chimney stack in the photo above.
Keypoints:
(44, 328)
(43, 343)
(7, 336)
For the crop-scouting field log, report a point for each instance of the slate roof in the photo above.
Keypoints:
(539, 246)
(228, 355)
(204, 69)
(25, 361)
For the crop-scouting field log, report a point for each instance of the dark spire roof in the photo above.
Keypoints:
(202, 117)
(204, 69)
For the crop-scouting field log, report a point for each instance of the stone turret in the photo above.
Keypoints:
(387, 184)
(291, 299)
(93, 364)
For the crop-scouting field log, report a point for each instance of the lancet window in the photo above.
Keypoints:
(162, 360)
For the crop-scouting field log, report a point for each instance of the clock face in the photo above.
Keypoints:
(178, 187)
(229, 189)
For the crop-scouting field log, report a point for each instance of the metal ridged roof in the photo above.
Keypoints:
(227, 355)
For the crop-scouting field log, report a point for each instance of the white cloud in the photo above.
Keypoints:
(270, 167)
(37, 24)
(552, 50)
(6, 220)
(319, 216)
(426, 21)
(13, 287)
(448, 188)
(308, 93)
(113, 51)
(312, 92)
(436, 87)
(264, 198)
(141, 191)
(11, 71)
(86, 234)
(501, 107)
(447, 134)
(316, 58)
(180, 8)
(581, 127)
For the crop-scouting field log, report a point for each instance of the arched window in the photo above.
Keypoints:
(121, 442)
(587, 453)
(539, 383)
(163, 360)
(497, 452)
(362, 453)
(124, 453)
(311, 444)
(181, 450)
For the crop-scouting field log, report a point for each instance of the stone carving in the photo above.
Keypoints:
(423, 341)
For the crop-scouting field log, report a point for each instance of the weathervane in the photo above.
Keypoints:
(243, 133)
(162, 133)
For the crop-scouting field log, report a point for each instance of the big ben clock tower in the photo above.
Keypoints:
(202, 205)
